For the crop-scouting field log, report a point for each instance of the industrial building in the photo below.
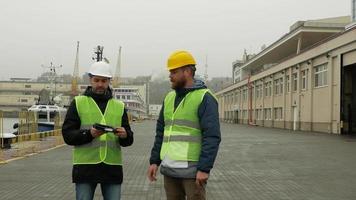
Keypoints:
(302, 81)
(20, 94)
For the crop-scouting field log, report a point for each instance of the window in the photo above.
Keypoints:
(259, 115)
(288, 83)
(304, 79)
(244, 94)
(295, 82)
(278, 115)
(24, 100)
(281, 86)
(268, 88)
(27, 86)
(267, 113)
(258, 91)
(320, 75)
(276, 86)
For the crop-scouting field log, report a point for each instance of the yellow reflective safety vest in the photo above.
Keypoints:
(182, 137)
(105, 148)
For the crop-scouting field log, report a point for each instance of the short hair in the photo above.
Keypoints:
(190, 67)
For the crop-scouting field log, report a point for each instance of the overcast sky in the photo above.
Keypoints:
(37, 32)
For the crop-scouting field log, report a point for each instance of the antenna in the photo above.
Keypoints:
(98, 51)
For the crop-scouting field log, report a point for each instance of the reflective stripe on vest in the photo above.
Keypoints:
(182, 138)
(182, 132)
(183, 122)
(105, 148)
(98, 144)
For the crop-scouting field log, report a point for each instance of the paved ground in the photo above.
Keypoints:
(253, 163)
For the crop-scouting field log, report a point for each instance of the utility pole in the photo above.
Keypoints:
(52, 79)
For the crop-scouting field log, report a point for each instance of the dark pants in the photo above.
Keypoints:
(179, 189)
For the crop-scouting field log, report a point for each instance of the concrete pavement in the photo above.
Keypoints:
(253, 163)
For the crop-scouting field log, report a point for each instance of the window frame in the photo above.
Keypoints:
(321, 74)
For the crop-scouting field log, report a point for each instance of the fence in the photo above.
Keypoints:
(28, 140)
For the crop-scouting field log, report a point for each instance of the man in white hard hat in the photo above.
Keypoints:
(97, 154)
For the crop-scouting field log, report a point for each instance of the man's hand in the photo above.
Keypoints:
(151, 172)
(95, 132)
(201, 178)
(121, 132)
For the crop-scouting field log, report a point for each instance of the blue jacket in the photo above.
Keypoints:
(209, 123)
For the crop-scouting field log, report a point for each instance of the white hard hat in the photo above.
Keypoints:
(100, 68)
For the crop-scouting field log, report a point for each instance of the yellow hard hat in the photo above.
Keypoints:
(180, 59)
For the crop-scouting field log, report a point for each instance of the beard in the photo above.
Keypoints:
(178, 84)
(99, 90)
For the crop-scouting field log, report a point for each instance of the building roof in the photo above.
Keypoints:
(20, 79)
(325, 44)
(309, 32)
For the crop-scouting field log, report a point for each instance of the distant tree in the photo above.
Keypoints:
(44, 77)
(158, 90)
(44, 97)
(84, 79)
(218, 83)
(140, 80)
(65, 78)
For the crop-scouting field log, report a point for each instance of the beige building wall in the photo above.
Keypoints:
(304, 107)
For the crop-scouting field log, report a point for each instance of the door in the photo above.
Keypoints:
(348, 99)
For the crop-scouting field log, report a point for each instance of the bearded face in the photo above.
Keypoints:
(178, 78)
(99, 84)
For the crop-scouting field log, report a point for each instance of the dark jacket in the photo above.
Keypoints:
(73, 135)
(209, 123)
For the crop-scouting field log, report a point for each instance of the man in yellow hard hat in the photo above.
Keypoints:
(97, 156)
(187, 132)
